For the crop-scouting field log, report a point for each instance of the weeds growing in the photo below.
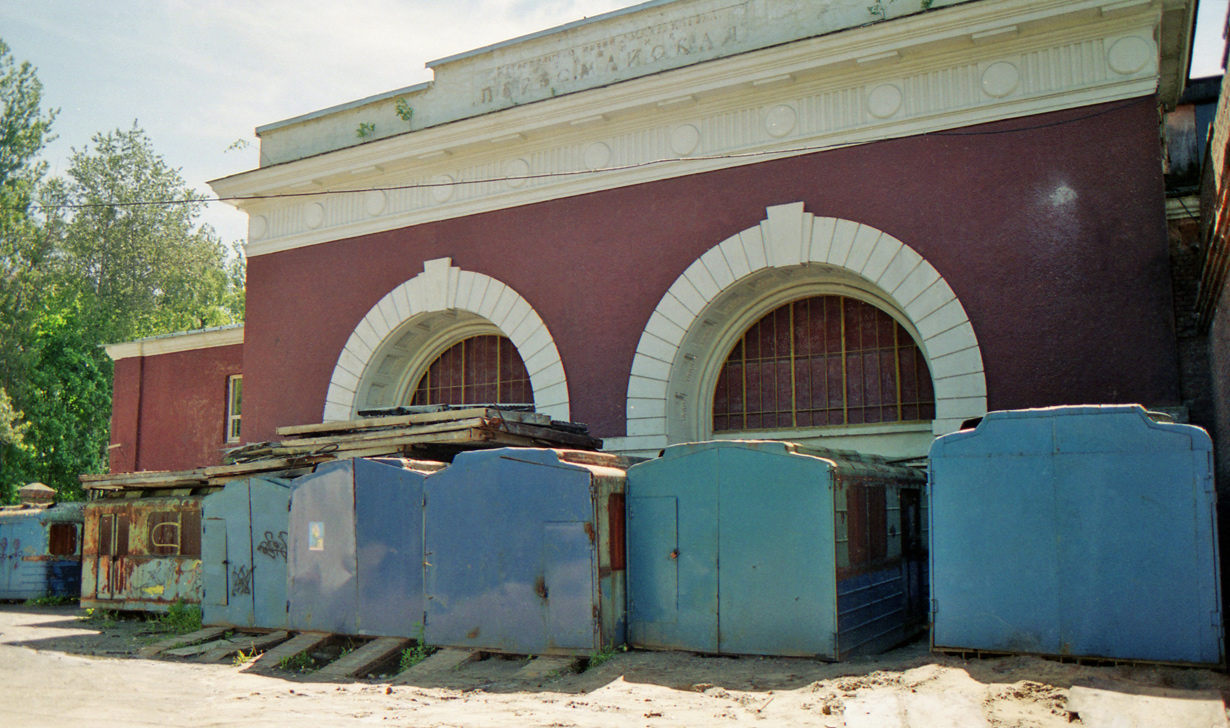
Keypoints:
(181, 618)
(301, 662)
(101, 618)
(412, 656)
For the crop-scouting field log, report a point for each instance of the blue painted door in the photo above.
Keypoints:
(226, 556)
(322, 562)
(492, 520)
(776, 585)
(270, 515)
(985, 577)
(568, 577)
(215, 592)
(673, 551)
(389, 549)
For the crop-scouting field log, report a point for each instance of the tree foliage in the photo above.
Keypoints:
(148, 268)
(115, 253)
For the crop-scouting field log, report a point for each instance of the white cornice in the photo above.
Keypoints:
(172, 343)
(965, 65)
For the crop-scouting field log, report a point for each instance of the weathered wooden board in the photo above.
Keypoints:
(299, 644)
(363, 659)
(145, 479)
(401, 420)
(442, 662)
(542, 668)
(243, 643)
(203, 635)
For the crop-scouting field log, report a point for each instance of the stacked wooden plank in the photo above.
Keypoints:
(438, 434)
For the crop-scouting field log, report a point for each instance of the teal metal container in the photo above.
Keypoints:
(769, 548)
(244, 531)
(1076, 532)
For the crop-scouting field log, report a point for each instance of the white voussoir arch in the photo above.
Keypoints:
(796, 242)
(443, 287)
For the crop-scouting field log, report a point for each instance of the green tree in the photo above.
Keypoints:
(125, 228)
(115, 253)
(24, 129)
(67, 400)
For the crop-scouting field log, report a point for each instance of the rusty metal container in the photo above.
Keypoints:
(770, 548)
(1076, 532)
(244, 535)
(524, 552)
(142, 553)
(40, 550)
(356, 548)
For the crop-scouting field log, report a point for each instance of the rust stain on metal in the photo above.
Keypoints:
(142, 553)
(589, 531)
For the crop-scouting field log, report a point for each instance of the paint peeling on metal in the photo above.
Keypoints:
(130, 560)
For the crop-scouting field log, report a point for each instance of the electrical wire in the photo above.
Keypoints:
(605, 170)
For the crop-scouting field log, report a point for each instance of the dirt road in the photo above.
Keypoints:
(58, 671)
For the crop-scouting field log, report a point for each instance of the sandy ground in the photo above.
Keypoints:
(58, 671)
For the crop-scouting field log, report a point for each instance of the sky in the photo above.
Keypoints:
(200, 75)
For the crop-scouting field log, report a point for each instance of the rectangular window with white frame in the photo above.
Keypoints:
(234, 405)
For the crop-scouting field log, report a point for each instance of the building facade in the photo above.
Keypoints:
(830, 222)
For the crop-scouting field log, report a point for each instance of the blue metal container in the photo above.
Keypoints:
(40, 551)
(1079, 532)
(769, 548)
(524, 552)
(356, 548)
(244, 531)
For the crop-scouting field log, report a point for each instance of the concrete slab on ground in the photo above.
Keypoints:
(890, 709)
(1160, 708)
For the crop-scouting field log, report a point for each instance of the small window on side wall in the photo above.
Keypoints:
(234, 405)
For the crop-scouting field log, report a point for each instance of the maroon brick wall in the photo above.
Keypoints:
(177, 404)
(1050, 229)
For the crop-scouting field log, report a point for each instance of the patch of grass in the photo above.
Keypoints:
(51, 601)
(301, 662)
(412, 656)
(603, 655)
(181, 618)
(242, 658)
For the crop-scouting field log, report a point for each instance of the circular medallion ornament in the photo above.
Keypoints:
(257, 227)
(780, 121)
(1000, 79)
(515, 172)
(314, 215)
(884, 101)
(443, 189)
(1129, 55)
(684, 140)
(374, 202)
(597, 156)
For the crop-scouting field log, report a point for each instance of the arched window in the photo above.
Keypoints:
(823, 361)
(477, 370)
